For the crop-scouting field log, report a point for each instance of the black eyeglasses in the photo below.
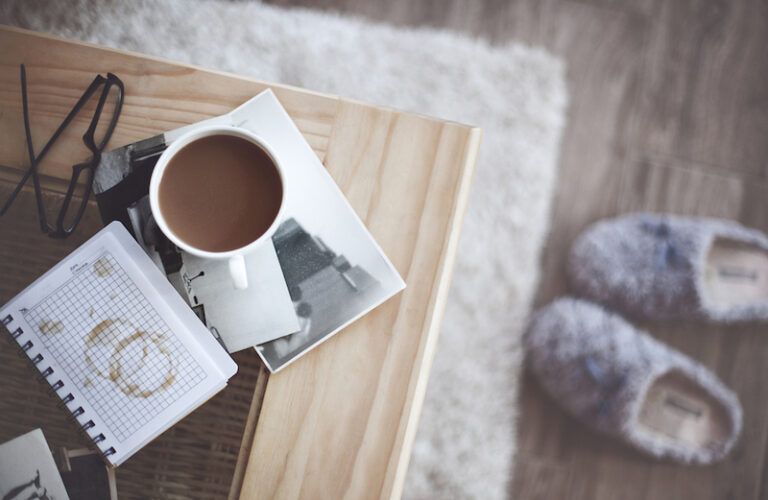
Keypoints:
(96, 137)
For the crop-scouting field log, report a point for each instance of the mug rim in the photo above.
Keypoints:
(171, 151)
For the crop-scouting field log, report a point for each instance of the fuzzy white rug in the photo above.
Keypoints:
(466, 438)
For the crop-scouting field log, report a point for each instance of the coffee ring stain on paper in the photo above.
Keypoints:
(50, 327)
(137, 362)
(102, 267)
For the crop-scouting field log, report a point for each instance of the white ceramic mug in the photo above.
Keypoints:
(236, 257)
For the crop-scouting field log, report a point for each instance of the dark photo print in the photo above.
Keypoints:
(325, 287)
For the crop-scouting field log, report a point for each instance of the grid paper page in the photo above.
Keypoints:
(115, 346)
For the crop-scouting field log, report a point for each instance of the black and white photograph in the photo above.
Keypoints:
(28, 471)
(326, 290)
(334, 269)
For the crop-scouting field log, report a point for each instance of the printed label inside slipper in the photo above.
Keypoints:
(735, 274)
(675, 409)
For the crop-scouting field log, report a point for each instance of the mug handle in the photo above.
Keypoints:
(238, 272)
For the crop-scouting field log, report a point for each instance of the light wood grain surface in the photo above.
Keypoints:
(339, 423)
(668, 112)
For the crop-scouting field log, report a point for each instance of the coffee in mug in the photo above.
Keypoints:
(220, 193)
(216, 193)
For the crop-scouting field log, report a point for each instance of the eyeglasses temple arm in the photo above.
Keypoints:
(35, 161)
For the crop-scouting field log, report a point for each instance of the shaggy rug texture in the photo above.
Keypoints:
(466, 439)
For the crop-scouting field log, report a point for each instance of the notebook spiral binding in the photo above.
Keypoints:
(54, 386)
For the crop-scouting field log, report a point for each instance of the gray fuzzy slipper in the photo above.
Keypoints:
(668, 267)
(620, 381)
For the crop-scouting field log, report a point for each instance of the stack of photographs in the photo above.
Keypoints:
(322, 272)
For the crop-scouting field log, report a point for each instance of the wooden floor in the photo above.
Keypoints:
(669, 112)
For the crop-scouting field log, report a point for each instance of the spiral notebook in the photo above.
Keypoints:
(116, 343)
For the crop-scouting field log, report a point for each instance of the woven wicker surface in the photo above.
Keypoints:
(194, 459)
